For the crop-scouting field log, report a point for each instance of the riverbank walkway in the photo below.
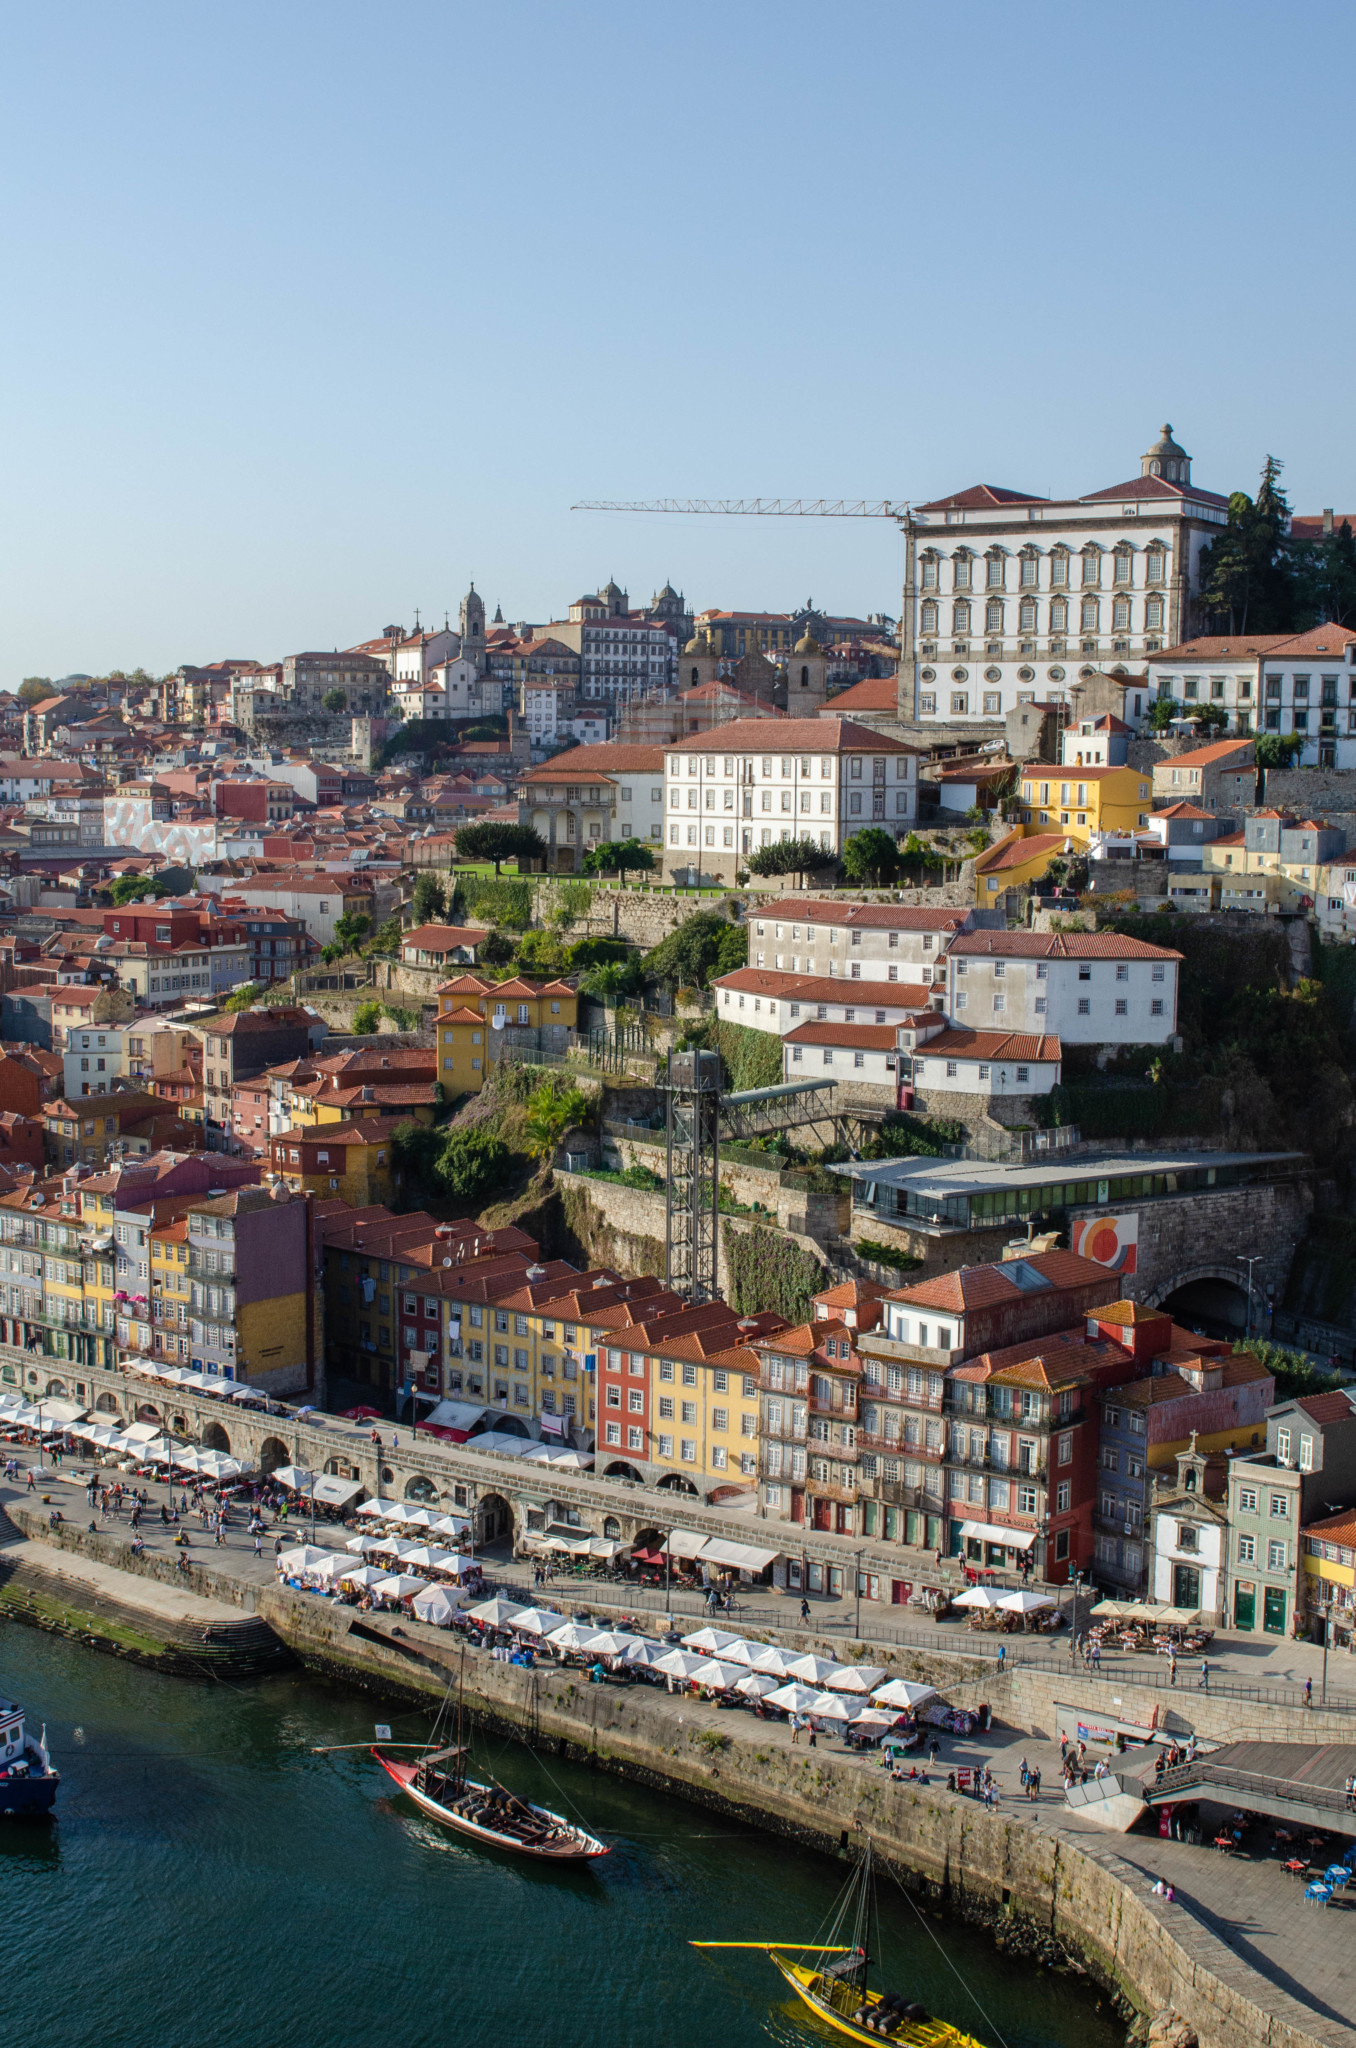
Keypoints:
(1245, 1899)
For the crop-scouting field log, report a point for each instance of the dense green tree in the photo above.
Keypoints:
(541, 952)
(243, 998)
(596, 952)
(497, 949)
(1325, 578)
(352, 929)
(135, 889)
(700, 947)
(1278, 749)
(366, 1018)
(430, 898)
(1162, 712)
(790, 857)
(872, 856)
(487, 841)
(619, 857)
(333, 700)
(33, 689)
(552, 1110)
(1247, 581)
(472, 1163)
(613, 980)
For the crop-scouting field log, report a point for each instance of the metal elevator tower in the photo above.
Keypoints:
(692, 1192)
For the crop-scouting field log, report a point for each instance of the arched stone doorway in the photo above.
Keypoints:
(649, 1539)
(674, 1482)
(273, 1452)
(612, 1528)
(493, 1518)
(1211, 1298)
(55, 1388)
(179, 1424)
(214, 1438)
(420, 1488)
(106, 1405)
(148, 1412)
(619, 1469)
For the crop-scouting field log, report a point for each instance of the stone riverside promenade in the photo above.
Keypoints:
(1238, 1956)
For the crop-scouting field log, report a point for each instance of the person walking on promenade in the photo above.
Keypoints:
(1308, 1692)
(804, 1610)
(1172, 1667)
(1203, 1682)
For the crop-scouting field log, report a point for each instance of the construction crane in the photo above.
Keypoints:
(764, 508)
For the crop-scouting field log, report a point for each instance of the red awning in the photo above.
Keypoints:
(647, 1557)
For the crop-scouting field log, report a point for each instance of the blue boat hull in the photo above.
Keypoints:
(28, 1798)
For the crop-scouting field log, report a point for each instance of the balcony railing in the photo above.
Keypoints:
(928, 1454)
(896, 1494)
(825, 1489)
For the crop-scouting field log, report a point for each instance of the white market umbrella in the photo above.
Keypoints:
(301, 1559)
(450, 1525)
(678, 1663)
(362, 1544)
(576, 1635)
(902, 1692)
(644, 1652)
(831, 1706)
(398, 1547)
(979, 1596)
(436, 1605)
(419, 1518)
(756, 1685)
(774, 1659)
(797, 1699)
(427, 1556)
(612, 1643)
(724, 1677)
(718, 1642)
(363, 1575)
(814, 1670)
(862, 1678)
(496, 1613)
(398, 1585)
(1025, 1602)
(538, 1621)
(328, 1570)
(378, 1510)
(868, 1719)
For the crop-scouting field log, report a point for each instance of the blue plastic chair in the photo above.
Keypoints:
(1319, 1893)
(1337, 1874)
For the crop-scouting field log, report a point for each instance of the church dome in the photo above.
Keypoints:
(807, 644)
(698, 644)
(1166, 459)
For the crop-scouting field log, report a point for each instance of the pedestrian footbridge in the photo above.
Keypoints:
(1291, 1781)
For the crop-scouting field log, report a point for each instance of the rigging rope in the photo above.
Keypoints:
(965, 1986)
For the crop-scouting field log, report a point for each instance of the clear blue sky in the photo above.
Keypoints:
(314, 311)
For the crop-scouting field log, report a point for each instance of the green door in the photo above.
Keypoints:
(1273, 1611)
(1245, 1607)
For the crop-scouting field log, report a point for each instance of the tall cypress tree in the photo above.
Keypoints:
(1247, 580)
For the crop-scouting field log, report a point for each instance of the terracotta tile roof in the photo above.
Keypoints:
(1154, 487)
(827, 733)
(1335, 1407)
(1058, 946)
(824, 988)
(430, 936)
(983, 1286)
(1338, 1528)
(982, 498)
(853, 1037)
(1181, 809)
(851, 1294)
(873, 693)
(1015, 852)
(609, 757)
(1206, 757)
(888, 917)
(990, 1045)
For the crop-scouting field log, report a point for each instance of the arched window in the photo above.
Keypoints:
(695, 676)
(805, 678)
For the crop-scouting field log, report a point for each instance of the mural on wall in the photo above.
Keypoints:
(1111, 1240)
(128, 821)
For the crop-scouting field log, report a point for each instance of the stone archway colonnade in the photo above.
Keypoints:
(425, 1468)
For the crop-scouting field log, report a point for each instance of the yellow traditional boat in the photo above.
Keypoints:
(833, 1981)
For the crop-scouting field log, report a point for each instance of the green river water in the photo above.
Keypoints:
(210, 1881)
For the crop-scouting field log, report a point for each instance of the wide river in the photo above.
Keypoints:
(210, 1880)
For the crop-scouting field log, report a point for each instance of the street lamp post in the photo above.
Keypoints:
(1244, 1260)
(857, 1623)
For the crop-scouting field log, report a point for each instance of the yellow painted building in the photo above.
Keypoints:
(704, 1411)
(1015, 862)
(1328, 1580)
(354, 1160)
(462, 1037)
(1081, 801)
(170, 1295)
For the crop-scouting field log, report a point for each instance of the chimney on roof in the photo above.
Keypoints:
(1327, 520)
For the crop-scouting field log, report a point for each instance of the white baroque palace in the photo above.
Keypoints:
(1010, 598)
